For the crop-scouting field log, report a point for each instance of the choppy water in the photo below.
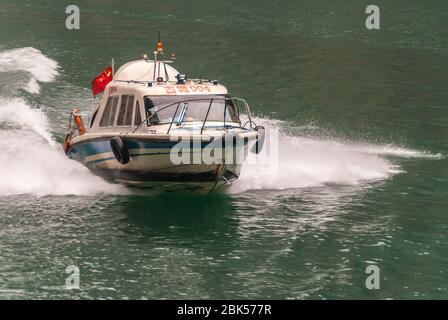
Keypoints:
(362, 175)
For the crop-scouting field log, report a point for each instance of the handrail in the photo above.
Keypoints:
(175, 112)
(182, 114)
(206, 115)
(246, 106)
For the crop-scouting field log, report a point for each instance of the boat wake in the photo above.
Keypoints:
(32, 61)
(31, 161)
(315, 162)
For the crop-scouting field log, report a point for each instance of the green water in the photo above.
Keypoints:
(362, 176)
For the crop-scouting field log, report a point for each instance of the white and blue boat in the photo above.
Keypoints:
(154, 126)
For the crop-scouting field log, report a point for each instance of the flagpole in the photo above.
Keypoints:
(113, 68)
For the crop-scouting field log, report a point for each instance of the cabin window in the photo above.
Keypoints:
(161, 112)
(125, 113)
(129, 111)
(231, 111)
(138, 116)
(220, 110)
(150, 109)
(190, 108)
(108, 117)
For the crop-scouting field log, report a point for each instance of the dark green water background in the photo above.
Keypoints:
(310, 63)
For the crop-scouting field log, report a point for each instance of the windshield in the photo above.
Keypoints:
(161, 110)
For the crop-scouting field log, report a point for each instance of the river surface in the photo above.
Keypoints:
(362, 170)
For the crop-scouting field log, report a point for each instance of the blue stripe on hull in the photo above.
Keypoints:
(132, 155)
(85, 149)
(90, 148)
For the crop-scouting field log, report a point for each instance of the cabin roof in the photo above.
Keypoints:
(146, 70)
(140, 76)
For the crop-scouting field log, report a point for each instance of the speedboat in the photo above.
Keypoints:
(156, 128)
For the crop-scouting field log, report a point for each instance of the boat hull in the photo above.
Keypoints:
(151, 164)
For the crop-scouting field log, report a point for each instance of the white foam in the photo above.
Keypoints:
(395, 151)
(17, 114)
(314, 162)
(31, 162)
(40, 67)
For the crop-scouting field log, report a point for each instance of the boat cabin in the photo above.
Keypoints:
(147, 93)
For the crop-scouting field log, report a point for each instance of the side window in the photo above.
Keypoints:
(104, 122)
(138, 116)
(129, 109)
(125, 113)
(113, 111)
(122, 112)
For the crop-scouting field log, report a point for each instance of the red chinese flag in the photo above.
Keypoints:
(101, 81)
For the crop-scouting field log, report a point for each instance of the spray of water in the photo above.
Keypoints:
(314, 162)
(40, 67)
(31, 161)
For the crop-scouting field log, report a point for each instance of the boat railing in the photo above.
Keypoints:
(244, 103)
